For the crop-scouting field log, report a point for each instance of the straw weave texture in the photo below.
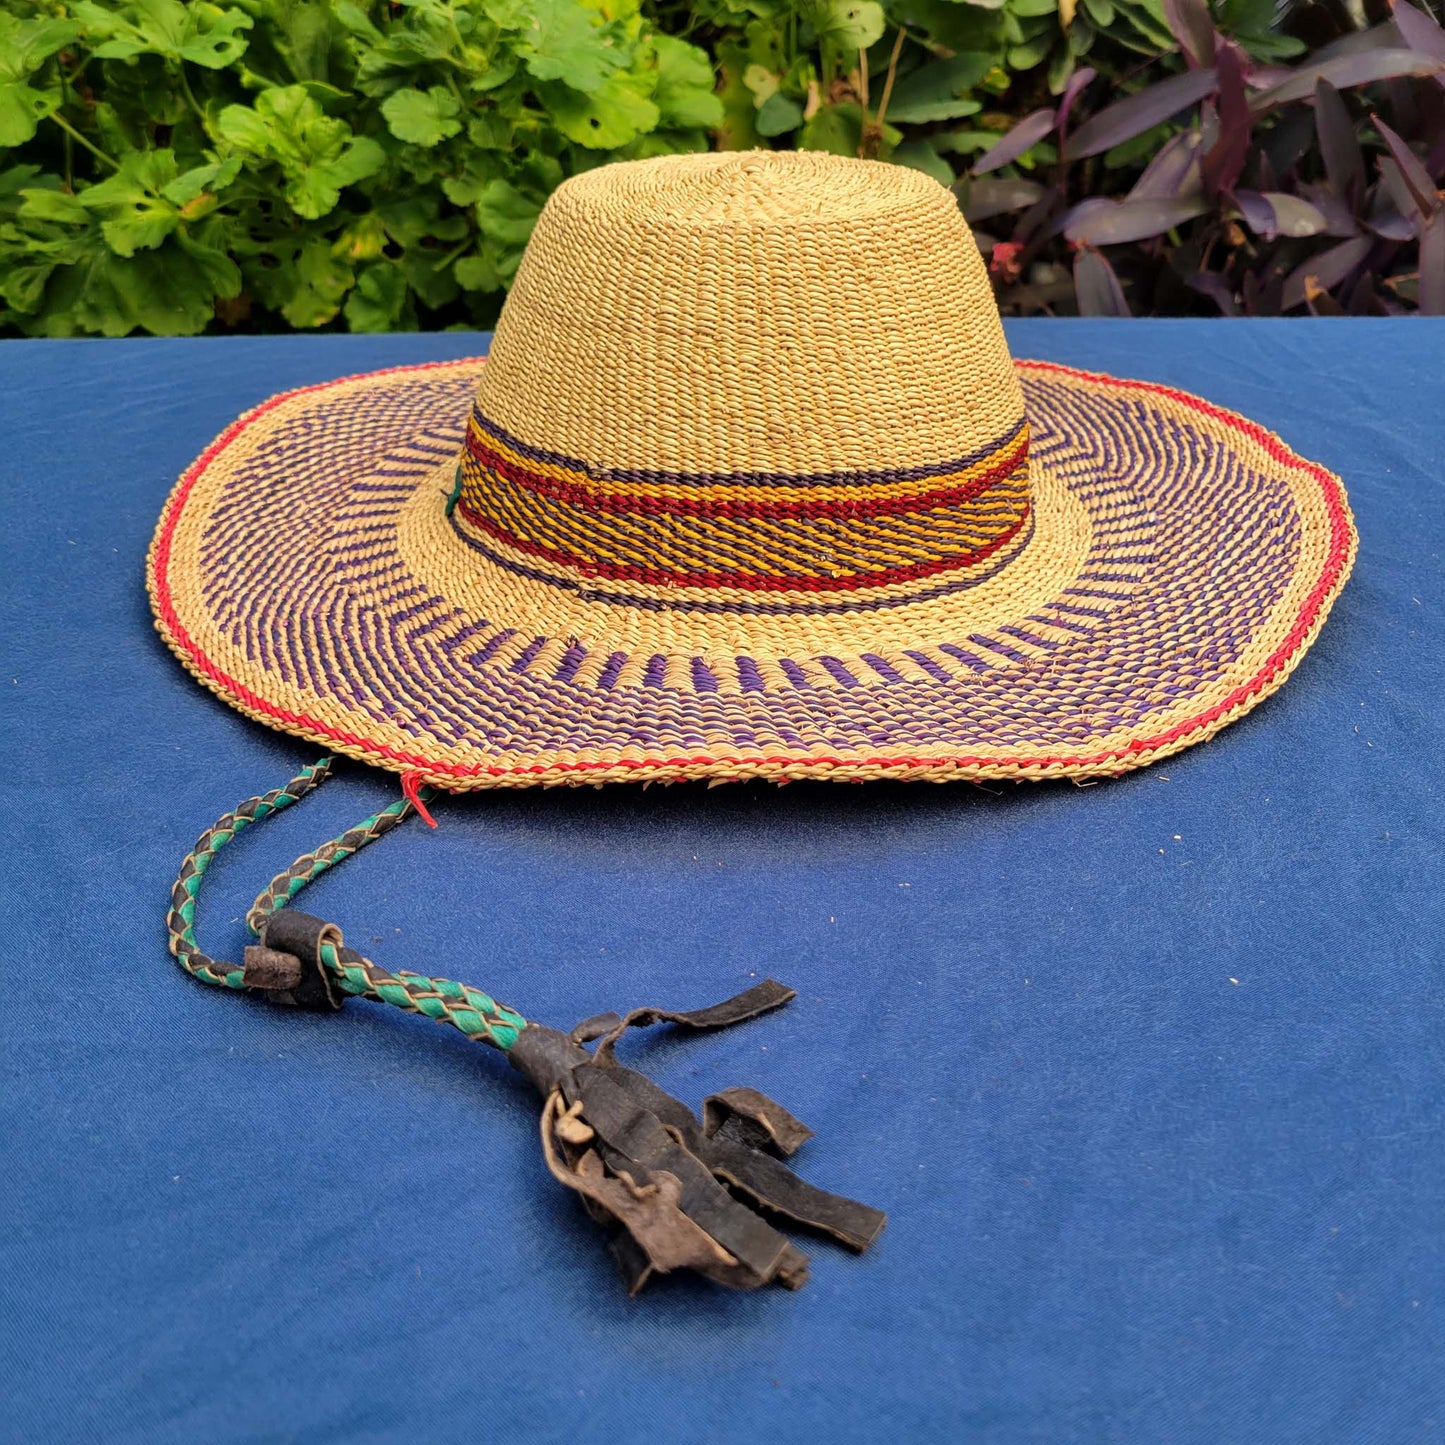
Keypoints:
(749, 486)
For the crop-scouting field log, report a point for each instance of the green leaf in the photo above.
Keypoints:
(611, 116)
(204, 34)
(22, 108)
(490, 131)
(167, 293)
(939, 89)
(761, 81)
(320, 280)
(299, 275)
(378, 300)
(422, 117)
(355, 21)
(477, 273)
(306, 31)
(506, 215)
(778, 114)
(737, 130)
(429, 281)
(920, 155)
(48, 205)
(1030, 53)
(418, 217)
(1269, 45)
(686, 96)
(136, 216)
(25, 45)
(317, 190)
(466, 187)
(220, 271)
(835, 128)
(199, 179)
(317, 154)
(567, 41)
(847, 25)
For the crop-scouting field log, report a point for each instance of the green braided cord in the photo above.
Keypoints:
(456, 493)
(476, 1014)
(285, 886)
(180, 920)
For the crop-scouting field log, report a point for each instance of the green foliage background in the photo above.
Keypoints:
(173, 168)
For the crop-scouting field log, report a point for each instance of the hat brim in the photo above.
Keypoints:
(1179, 560)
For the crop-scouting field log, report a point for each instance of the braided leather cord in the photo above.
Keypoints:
(180, 920)
(476, 1014)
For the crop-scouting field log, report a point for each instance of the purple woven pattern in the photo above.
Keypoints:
(306, 576)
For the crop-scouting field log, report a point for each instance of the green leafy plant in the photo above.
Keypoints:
(304, 163)
(172, 168)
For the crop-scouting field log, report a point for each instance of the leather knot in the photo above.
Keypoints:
(287, 963)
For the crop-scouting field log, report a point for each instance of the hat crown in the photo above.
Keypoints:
(793, 338)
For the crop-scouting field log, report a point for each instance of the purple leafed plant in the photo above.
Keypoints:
(1267, 189)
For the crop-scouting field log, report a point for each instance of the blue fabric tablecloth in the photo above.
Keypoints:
(1149, 1075)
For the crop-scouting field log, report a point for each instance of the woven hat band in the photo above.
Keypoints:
(759, 532)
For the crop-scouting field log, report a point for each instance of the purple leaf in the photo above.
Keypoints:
(1357, 42)
(1076, 82)
(1416, 178)
(1213, 285)
(1391, 225)
(1173, 171)
(1255, 212)
(1321, 303)
(1420, 32)
(990, 196)
(1430, 103)
(1327, 269)
(1294, 216)
(1137, 113)
(1360, 68)
(1262, 291)
(1339, 219)
(1065, 219)
(1038, 215)
(1364, 300)
(1028, 132)
(1112, 223)
(1193, 28)
(1097, 287)
(1224, 162)
(1393, 183)
(1432, 266)
(1274, 213)
(1263, 77)
(1344, 161)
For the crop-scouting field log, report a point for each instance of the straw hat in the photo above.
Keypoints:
(749, 486)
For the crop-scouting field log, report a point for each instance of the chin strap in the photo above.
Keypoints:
(674, 1191)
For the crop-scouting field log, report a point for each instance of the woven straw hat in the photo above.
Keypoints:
(749, 486)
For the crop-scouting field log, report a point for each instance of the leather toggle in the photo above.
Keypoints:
(287, 963)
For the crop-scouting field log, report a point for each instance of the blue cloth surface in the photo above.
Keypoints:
(1150, 1075)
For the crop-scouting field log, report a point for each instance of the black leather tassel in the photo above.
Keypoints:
(679, 1192)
